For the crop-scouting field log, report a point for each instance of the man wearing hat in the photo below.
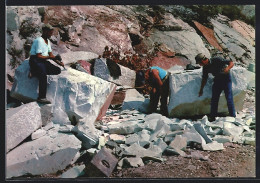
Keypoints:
(40, 67)
(219, 68)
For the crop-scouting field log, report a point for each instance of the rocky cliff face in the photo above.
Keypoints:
(130, 30)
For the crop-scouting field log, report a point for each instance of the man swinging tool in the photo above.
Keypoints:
(40, 67)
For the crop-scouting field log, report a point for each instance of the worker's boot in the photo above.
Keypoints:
(43, 101)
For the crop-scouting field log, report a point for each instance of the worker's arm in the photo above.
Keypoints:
(59, 62)
(155, 74)
(230, 65)
(51, 56)
(203, 83)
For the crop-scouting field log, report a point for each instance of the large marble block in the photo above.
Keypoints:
(72, 93)
(47, 154)
(21, 122)
(127, 77)
(184, 89)
(71, 57)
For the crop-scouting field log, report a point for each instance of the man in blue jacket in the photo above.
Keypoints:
(39, 65)
(158, 79)
(219, 67)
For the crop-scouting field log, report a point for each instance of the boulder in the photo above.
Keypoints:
(184, 88)
(50, 125)
(74, 172)
(160, 131)
(232, 129)
(141, 138)
(118, 99)
(120, 139)
(251, 79)
(101, 70)
(135, 100)
(171, 135)
(83, 66)
(87, 133)
(202, 132)
(21, 122)
(161, 144)
(74, 94)
(66, 128)
(156, 149)
(124, 128)
(250, 133)
(222, 139)
(193, 136)
(184, 123)
(45, 155)
(179, 142)
(197, 155)
(216, 124)
(38, 133)
(106, 104)
(171, 151)
(74, 56)
(175, 126)
(249, 141)
(151, 124)
(139, 151)
(46, 114)
(213, 146)
(132, 162)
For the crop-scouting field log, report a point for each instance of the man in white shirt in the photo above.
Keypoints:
(40, 67)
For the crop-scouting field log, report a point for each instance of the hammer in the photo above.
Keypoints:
(58, 58)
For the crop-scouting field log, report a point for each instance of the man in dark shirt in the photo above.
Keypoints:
(219, 68)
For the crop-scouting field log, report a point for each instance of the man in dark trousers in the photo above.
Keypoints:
(219, 67)
(158, 79)
(40, 67)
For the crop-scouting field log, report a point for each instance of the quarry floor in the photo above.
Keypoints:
(233, 162)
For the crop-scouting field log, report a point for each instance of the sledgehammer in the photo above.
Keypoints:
(59, 59)
(123, 88)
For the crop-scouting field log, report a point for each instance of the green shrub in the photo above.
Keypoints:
(16, 54)
(27, 28)
(205, 12)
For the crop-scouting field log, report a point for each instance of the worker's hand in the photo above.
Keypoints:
(200, 93)
(58, 57)
(226, 70)
(61, 63)
(52, 57)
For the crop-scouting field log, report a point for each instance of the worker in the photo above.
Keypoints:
(158, 79)
(40, 67)
(220, 69)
